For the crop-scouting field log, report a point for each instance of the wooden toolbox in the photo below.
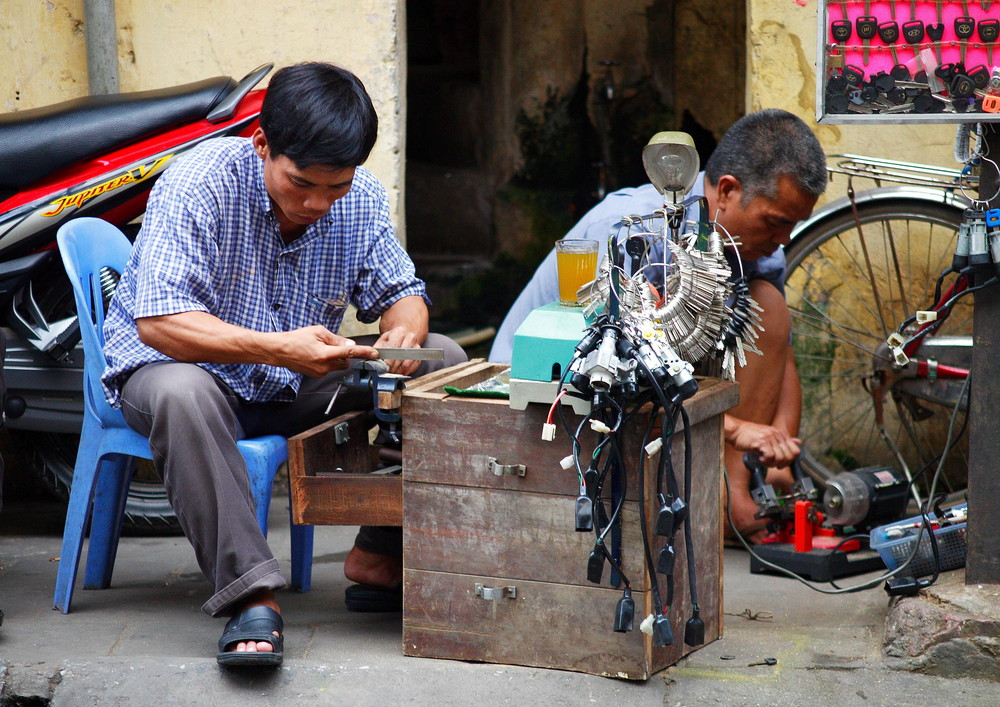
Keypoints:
(493, 568)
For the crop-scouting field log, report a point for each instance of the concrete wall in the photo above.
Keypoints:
(781, 73)
(170, 42)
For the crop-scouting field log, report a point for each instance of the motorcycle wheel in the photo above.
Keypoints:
(147, 511)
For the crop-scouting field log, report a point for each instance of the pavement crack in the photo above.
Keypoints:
(121, 637)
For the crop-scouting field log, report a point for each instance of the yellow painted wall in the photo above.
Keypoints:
(169, 42)
(781, 73)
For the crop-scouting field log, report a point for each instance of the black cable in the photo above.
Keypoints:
(688, 538)
(654, 584)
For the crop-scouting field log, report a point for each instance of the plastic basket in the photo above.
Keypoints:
(894, 550)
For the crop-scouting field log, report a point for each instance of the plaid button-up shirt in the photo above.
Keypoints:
(210, 242)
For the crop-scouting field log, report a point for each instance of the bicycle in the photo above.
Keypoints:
(856, 270)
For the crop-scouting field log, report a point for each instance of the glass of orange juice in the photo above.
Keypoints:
(576, 264)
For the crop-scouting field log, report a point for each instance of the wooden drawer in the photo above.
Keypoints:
(464, 525)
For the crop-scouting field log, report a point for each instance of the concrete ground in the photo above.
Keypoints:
(145, 641)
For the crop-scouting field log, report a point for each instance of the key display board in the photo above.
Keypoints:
(908, 61)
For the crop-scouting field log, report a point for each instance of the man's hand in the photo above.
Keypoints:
(399, 338)
(315, 351)
(774, 446)
(404, 326)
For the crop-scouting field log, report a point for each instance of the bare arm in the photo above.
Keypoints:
(404, 325)
(195, 337)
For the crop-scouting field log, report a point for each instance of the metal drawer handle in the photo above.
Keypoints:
(504, 469)
(494, 593)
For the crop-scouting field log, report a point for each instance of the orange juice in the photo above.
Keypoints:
(576, 263)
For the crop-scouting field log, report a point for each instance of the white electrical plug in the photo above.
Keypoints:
(567, 463)
(653, 447)
(598, 426)
(926, 316)
(647, 625)
(548, 432)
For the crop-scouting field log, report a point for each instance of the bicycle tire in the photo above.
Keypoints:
(839, 320)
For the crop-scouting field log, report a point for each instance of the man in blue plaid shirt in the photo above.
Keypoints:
(222, 326)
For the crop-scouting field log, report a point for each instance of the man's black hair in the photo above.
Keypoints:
(318, 114)
(762, 146)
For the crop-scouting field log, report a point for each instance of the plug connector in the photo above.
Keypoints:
(653, 447)
(590, 479)
(584, 514)
(694, 631)
(647, 625)
(567, 463)
(600, 427)
(595, 565)
(665, 560)
(663, 632)
(905, 586)
(681, 511)
(664, 525)
(548, 432)
(625, 613)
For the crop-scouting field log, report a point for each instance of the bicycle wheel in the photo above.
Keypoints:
(847, 290)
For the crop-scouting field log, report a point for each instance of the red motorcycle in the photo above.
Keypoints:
(94, 156)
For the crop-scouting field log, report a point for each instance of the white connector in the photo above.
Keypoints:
(926, 316)
(900, 358)
(895, 340)
(567, 463)
(647, 625)
(653, 447)
(598, 426)
(548, 432)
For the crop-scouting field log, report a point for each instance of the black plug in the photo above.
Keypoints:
(665, 560)
(680, 510)
(663, 632)
(905, 586)
(595, 564)
(590, 479)
(694, 631)
(625, 612)
(664, 526)
(584, 514)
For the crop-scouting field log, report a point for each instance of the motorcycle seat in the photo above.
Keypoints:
(38, 142)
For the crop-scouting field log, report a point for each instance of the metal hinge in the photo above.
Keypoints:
(494, 593)
(504, 469)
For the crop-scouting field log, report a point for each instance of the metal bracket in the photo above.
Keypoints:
(504, 469)
(494, 593)
(341, 433)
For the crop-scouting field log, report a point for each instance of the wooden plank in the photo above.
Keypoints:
(451, 442)
(507, 533)
(316, 451)
(546, 625)
(477, 369)
(348, 499)
(430, 380)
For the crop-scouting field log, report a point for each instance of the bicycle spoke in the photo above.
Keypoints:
(844, 288)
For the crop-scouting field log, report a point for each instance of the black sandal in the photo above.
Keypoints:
(254, 624)
(367, 598)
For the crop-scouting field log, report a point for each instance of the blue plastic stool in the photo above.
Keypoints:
(108, 446)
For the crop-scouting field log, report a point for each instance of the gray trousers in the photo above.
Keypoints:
(193, 421)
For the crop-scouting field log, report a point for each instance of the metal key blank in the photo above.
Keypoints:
(841, 31)
(913, 33)
(867, 27)
(989, 30)
(936, 33)
(888, 32)
(964, 28)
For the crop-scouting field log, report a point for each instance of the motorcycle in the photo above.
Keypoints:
(93, 156)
